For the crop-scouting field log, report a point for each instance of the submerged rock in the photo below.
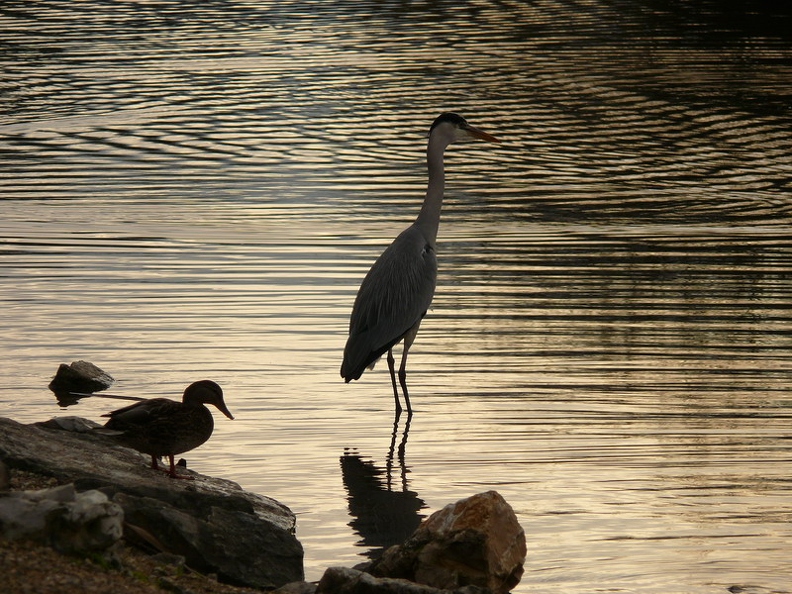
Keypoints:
(244, 538)
(80, 376)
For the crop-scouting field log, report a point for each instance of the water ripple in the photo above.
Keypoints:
(197, 188)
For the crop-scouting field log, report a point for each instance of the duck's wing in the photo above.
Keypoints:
(141, 413)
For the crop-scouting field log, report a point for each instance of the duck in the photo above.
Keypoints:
(163, 427)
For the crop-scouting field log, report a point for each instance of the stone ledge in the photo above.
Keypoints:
(209, 521)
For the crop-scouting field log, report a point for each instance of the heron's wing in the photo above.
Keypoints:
(393, 297)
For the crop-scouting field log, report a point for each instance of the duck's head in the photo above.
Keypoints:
(206, 392)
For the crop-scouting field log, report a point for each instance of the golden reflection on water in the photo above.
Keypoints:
(199, 191)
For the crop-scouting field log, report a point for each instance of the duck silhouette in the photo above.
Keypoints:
(163, 427)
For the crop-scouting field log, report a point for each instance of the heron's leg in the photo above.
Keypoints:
(409, 338)
(392, 369)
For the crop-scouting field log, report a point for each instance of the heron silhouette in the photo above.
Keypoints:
(398, 289)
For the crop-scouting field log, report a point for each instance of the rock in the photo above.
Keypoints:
(212, 522)
(5, 478)
(80, 376)
(476, 541)
(343, 580)
(90, 523)
(75, 523)
(219, 541)
(75, 424)
(296, 588)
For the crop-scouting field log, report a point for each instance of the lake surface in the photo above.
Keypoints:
(196, 189)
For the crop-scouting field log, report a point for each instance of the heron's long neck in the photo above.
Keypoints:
(429, 217)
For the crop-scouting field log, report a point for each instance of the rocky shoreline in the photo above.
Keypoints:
(110, 517)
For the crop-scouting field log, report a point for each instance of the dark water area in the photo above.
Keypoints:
(193, 190)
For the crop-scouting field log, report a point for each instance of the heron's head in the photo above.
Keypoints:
(454, 128)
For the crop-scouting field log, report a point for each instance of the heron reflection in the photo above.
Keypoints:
(384, 510)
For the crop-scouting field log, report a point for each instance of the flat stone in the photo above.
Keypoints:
(296, 588)
(343, 580)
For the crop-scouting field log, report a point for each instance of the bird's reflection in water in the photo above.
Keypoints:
(385, 512)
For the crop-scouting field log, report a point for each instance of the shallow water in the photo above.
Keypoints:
(196, 190)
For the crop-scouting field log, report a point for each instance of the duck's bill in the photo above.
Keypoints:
(224, 409)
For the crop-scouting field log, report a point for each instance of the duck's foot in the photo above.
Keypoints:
(173, 474)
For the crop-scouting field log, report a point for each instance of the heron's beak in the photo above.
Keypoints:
(480, 134)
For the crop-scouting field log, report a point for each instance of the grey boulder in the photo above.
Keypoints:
(71, 522)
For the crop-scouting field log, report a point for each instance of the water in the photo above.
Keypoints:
(196, 190)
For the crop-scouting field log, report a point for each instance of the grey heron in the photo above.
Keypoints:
(398, 289)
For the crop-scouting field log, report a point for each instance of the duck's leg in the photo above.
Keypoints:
(172, 472)
(154, 464)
